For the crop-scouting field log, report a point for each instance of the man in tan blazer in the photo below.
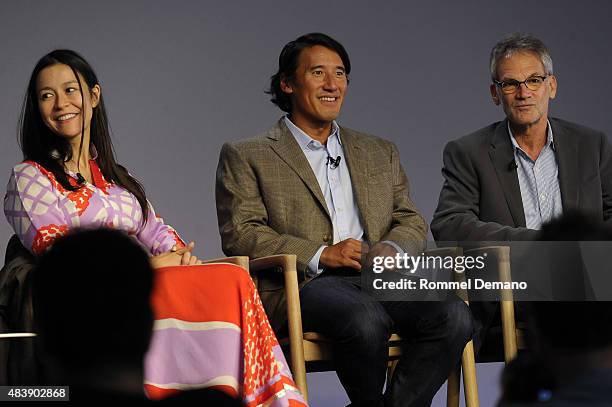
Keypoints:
(310, 187)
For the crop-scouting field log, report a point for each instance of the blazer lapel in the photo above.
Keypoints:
(502, 157)
(290, 152)
(357, 162)
(566, 148)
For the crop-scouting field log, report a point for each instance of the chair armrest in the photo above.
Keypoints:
(444, 251)
(288, 262)
(452, 251)
(499, 250)
(242, 261)
(502, 254)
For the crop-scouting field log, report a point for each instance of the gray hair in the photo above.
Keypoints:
(520, 43)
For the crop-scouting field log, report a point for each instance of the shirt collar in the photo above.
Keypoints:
(305, 141)
(549, 137)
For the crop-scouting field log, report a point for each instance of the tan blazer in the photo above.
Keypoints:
(269, 201)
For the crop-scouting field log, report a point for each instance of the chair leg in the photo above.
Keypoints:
(470, 386)
(294, 321)
(452, 388)
(509, 330)
(507, 308)
(299, 375)
(390, 370)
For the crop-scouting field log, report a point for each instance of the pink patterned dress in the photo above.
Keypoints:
(210, 329)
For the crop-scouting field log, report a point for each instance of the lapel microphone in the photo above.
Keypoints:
(333, 162)
(80, 179)
(512, 165)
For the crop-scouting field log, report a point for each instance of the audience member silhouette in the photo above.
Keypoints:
(92, 306)
(572, 360)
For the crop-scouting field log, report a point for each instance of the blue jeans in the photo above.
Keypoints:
(436, 333)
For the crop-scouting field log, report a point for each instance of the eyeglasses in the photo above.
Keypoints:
(532, 83)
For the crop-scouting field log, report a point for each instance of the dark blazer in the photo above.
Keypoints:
(269, 201)
(481, 197)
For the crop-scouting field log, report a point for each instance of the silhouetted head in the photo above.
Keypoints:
(92, 300)
(577, 325)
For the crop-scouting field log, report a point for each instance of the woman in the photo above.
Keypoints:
(210, 330)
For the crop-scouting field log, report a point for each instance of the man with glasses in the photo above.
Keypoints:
(504, 181)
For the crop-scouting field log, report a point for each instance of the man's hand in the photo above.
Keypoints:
(176, 257)
(346, 253)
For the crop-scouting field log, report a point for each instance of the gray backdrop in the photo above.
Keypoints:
(180, 78)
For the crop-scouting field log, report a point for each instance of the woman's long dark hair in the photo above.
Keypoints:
(41, 145)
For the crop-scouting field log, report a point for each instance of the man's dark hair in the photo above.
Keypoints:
(289, 59)
(92, 299)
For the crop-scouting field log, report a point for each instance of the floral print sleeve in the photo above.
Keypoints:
(31, 206)
(40, 210)
(157, 236)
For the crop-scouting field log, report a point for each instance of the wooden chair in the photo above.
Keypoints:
(511, 335)
(313, 350)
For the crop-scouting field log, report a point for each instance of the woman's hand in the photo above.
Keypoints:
(178, 256)
(187, 259)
